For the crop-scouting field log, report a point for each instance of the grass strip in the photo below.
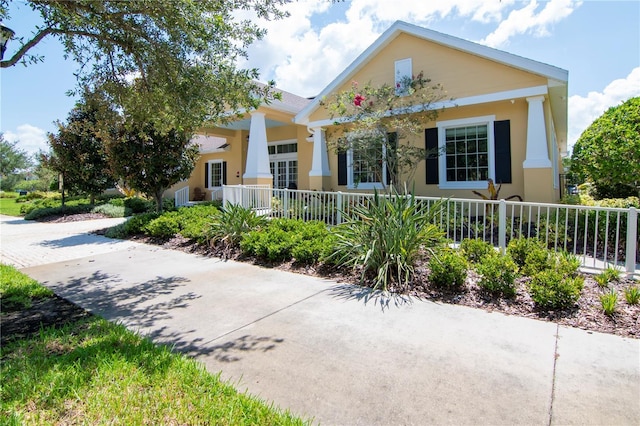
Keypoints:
(96, 372)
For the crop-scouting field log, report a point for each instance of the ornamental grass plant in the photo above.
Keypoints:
(386, 237)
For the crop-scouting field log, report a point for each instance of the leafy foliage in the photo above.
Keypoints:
(498, 274)
(164, 226)
(551, 289)
(78, 149)
(476, 250)
(448, 270)
(608, 151)
(151, 161)
(181, 54)
(284, 239)
(13, 164)
(385, 238)
(366, 118)
(528, 253)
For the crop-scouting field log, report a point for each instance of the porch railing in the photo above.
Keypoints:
(599, 236)
(181, 197)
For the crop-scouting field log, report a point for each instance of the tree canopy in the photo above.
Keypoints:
(78, 149)
(182, 55)
(150, 161)
(13, 164)
(608, 152)
(373, 120)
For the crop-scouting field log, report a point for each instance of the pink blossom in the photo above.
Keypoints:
(357, 101)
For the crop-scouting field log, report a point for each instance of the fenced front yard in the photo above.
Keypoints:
(599, 236)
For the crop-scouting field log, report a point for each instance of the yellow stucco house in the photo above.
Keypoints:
(511, 109)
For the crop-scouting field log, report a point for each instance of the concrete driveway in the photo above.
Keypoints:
(335, 353)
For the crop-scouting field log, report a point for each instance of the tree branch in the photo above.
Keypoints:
(25, 48)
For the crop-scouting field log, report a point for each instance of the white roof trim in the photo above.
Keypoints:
(529, 65)
(467, 101)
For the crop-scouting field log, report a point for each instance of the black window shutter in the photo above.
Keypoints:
(342, 168)
(206, 175)
(502, 136)
(224, 172)
(431, 138)
(393, 144)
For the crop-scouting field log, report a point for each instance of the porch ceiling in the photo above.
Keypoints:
(245, 124)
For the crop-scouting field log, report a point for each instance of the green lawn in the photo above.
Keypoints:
(96, 372)
(9, 207)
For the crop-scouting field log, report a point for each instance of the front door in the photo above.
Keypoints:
(283, 161)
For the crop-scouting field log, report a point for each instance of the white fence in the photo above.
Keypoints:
(181, 197)
(600, 236)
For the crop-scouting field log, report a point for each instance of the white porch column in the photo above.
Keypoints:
(537, 151)
(320, 161)
(257, 166)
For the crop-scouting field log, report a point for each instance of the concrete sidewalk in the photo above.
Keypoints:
(338, 353)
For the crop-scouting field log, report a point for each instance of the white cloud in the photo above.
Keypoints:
(528, 20)
(584, 109)
(30, 138)
(303, 56)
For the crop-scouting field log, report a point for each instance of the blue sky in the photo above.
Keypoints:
(598, 42)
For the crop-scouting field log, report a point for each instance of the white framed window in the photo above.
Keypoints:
(403, 73)
(466, 149)
(364, 174)
(215, 175)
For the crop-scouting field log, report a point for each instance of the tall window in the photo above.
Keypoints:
(403, 72)
(364, 170)
(466, 147)
(367, 165)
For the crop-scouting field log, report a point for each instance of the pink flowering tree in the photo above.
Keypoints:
(378, 121)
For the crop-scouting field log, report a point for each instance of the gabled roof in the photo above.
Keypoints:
(558, 75)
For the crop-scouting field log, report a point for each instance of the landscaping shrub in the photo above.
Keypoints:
(139, 205)
(476, 250)
(448, 270)
(110, 210)
(40, 213)
(6, 194)
(136, 224)
(518, 248)
(165, 226)
(231, 223)
(284, 239)
(119, 231)
(385, 238)
(195, 220)
(498, 274)
(551, 289)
